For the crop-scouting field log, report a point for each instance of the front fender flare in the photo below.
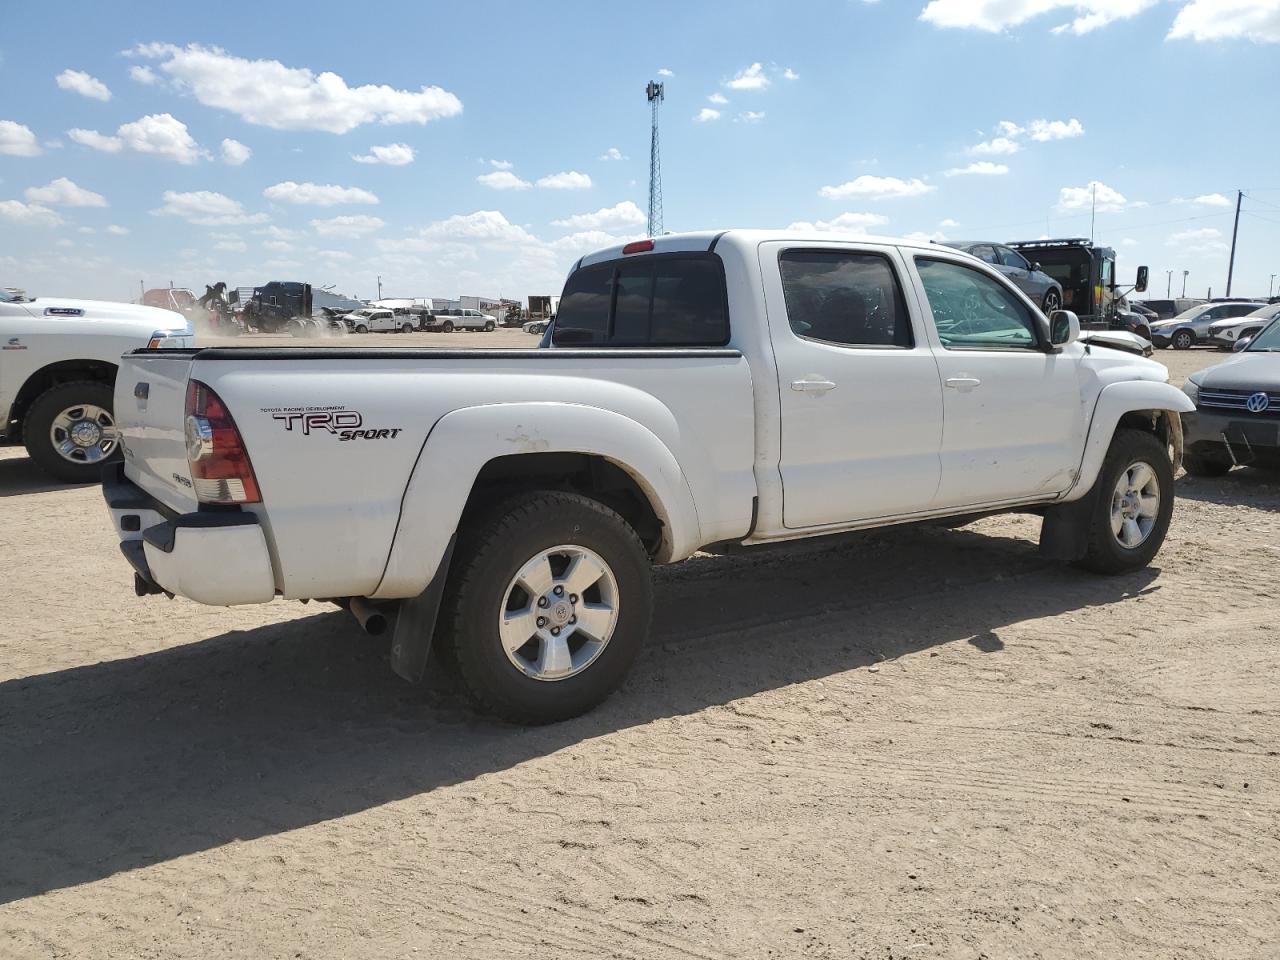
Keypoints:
(463, 441)
(1115, 400)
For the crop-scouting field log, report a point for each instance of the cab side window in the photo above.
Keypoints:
(972, 311)
(852, 299)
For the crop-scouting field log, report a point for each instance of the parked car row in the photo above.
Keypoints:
(386, 320)
(1192, 326)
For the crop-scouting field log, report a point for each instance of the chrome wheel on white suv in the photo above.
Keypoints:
(1135, 505)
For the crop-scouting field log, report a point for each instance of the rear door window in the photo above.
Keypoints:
(675, 300)
(985, 253)
(853, 299)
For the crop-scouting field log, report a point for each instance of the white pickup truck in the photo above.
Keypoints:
(58, 361)
(744, 387)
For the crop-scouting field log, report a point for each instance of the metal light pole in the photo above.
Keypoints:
(379, 286)
(1168, 287)
(1271, 287)
(1185, 274)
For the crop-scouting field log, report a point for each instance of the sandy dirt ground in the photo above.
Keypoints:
(917, 743)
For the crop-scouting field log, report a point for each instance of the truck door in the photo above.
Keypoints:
(1014, 419)
(860, 397)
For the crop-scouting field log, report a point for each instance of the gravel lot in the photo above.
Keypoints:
(917, 743)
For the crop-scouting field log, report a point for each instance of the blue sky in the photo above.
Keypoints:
(480, 148)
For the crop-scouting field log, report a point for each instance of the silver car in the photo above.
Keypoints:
(1192, 326)
(1028, 277)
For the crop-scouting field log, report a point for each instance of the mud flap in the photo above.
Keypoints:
(1064, 531)
(416, 623)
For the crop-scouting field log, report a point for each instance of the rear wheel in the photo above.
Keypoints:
(1184, 340)
(1052, 302)
(1133, 504)
(488, 326)
(70, 431)
(547, 606)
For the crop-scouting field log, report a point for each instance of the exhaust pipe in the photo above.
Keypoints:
(371, 618)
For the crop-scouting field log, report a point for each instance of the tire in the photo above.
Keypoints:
(491, 555)
(361, 328)
(1183, 340)
(57, 417)
(488, 326)
(1201, 466)
(407, 328)
(1106, 553)
(1052, 301)
(447, 326)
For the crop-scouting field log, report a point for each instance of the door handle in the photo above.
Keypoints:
(963, 384)
(812, 385)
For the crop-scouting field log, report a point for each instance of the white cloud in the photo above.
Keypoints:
(1045, 130)
(705, 114)
(233, 246)
(486, 225)
(949, 223)
(920, 236)
(718, 98)
(234, 153)
(269, 94)
(277, 246)
(844, 223)
(996, 147)
(350, 226)
(17, 140)
(613, 153)
(158, 134)
(317, 194)
(118, 231)
(789, 74)
(1204, 241)
(1082, 198)
(664, 72)
(752, 78)
(1212, 200)
(1129, 242)
(77, 81)
(63, 193)
(749, 116)
(981, 168)
(620, 217)
(32, 214)
(870, 187)
(392, 154)
(278, 233)
(96, 140)
(994, 16)
(207, 208)
(1203, 20)
(566, 180)
(143, 75)
(501, 164)
(1008, 128)
(503, 180)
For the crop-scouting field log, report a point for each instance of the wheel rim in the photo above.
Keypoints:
(85, 433)
(1135, 505)
(1050, 302)
(1182, 340)
(558, 613)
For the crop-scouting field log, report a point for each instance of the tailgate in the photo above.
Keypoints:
(150, 408)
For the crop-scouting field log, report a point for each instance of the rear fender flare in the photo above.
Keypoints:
(462, 442)
(1115, 400)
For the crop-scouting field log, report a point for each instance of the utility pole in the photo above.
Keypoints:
(1185, 273)
(1271, 287)
(1231, 265)
(379, 286)
(1168, 287)
(1093, 213)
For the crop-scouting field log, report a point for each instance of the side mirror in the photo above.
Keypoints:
(1143, 276)
(1064, 327)
(1241, 344)
(1035, 267)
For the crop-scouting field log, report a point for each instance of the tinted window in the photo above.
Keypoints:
(974, 312)
(985, 253)
(1240, 309)
(1011, 258)
(846, 298)
(650, 301)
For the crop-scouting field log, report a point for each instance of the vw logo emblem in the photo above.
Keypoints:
(1258, 403)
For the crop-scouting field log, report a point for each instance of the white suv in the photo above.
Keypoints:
(1225, 334)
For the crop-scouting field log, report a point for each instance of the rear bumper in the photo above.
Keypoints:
(218, 558)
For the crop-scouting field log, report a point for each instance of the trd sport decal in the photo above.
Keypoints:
(337, 421)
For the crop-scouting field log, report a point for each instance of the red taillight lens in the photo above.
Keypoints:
(638, 246)
(220, 467)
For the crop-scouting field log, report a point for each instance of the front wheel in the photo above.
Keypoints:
(447, 326)
(70, 431)
(406, 328)
(1184, 340)
(361, 328)
(1052, 302)
(1133, 504)
(547, 606)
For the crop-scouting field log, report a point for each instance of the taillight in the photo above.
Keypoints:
(220, 467)
(638, 246)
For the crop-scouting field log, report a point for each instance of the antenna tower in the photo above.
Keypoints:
(655, 92)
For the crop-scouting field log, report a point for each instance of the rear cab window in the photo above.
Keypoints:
(659, 300)
(848, 298)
